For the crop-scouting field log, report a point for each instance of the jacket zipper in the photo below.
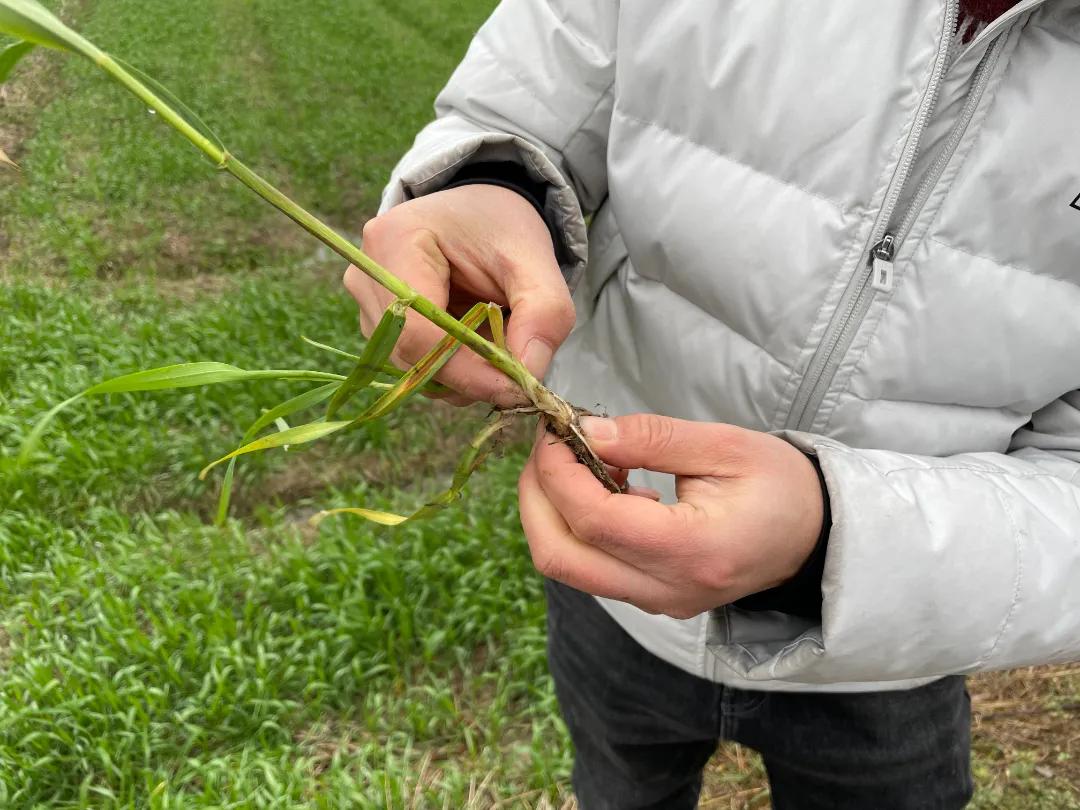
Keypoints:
(884, 252)
(876, 272)
(979, 81)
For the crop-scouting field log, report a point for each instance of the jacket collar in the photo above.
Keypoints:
(975, 49)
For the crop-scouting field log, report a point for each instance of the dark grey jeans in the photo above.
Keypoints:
(643, 730)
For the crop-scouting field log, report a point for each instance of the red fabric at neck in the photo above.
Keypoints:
(986, 10)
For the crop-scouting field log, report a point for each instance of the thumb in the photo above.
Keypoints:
(541, 316)
(660, 443)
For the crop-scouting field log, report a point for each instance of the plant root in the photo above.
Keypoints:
(563, 421)
(577, 443)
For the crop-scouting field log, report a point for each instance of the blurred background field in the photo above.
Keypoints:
(149, 659)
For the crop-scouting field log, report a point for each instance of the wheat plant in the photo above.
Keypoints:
(33, 25)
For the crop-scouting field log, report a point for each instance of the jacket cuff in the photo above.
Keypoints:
(449, 146)
(800, 595)
(514, 177)
(923, 576)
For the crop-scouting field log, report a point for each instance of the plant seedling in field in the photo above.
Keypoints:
(33, 25)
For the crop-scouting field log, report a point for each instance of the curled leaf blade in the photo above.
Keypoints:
(225, 497)
(332, 349)
(388, 369)
(498, 326)
(374, 356)
(424, 371)
(477, 451)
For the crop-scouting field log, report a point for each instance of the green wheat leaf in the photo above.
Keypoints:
(478, 451)
(388, 369)
(471, 459)
(190, 375)
(375, 354)
(10, 56)
(422, 373)
(225, 497)
(32, 439)
(166, 95)
(289, 407)
(30, 21)
(301, 434)
(183, 375)
(286, 408)
(331, 349)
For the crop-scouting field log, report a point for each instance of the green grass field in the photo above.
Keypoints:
(149, 659)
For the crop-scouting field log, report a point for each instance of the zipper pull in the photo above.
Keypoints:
(881, 263)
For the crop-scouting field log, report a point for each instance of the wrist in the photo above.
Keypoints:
(514, 177)
(800, 594)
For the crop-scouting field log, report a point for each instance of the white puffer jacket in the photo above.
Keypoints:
(814, 217)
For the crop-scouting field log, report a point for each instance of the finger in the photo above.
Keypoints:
(644, 492)
(370, 297)
(367, 326)
(541, 313)
(364, 293)
(640, 531)
(561, 556)
(618, 474)
(677, 446)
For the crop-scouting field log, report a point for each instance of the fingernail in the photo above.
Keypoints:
(598, 428)
(537, 356)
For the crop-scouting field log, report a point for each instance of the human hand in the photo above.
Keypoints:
(459, 246)
(749, 514)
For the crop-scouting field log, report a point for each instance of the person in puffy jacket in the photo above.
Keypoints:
(824, 261)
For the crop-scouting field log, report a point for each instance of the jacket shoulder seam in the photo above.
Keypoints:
(573, 129)
(518, 80)
(580, 128)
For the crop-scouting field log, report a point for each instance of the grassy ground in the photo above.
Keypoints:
(148, 659)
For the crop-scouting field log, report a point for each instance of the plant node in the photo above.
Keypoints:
(564, 421)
